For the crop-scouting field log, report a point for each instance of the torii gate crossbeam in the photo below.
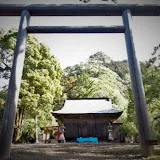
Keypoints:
(80, 10)
(75, 10)
(76, 29)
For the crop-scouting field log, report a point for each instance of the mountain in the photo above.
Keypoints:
(102, 77)
(110, 78)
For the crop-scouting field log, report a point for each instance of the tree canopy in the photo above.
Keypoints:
(40, 85)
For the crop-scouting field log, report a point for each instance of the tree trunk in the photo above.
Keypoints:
(36, 120)
(18, 125)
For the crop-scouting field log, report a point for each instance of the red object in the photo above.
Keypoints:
(58, 134)
(47, 128)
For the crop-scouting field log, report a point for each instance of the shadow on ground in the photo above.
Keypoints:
(75, 151)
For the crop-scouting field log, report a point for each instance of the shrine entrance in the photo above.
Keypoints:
(26, 11)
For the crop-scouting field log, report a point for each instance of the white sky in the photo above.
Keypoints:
(71, 49)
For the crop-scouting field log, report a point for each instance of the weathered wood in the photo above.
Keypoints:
(69, 29)
(13, 89)
(80, 10)
(89, 128)
(137, 86)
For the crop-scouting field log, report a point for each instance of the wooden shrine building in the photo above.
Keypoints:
(88, 118)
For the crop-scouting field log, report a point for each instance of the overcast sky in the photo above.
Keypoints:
(74, 48)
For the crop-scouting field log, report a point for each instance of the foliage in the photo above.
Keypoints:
(7, 44)
(2, 103)
(1, 33)
(129, 126)
(156, 129)
(130, 129)
(155, 60)
(79, 86)
(40, 85)
(151, 77)
(131, 114)
(28, 133)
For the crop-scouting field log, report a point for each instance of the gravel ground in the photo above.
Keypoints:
(76, 151)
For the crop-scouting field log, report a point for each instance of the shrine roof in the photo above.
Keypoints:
(86, 106)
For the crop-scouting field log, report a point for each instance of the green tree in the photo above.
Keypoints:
(7, 44)
(2, 103)
(79, 86)
(155, 60)
(2, 88)
(129, 126)
(151, 77)
(40, 85)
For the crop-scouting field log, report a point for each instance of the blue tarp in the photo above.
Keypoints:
(87, 139)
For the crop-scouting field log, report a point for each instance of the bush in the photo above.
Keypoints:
(129, 129)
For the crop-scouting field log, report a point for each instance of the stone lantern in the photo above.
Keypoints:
(110, 129)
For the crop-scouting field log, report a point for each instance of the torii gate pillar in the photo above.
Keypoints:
(14, 86)
(137, 86)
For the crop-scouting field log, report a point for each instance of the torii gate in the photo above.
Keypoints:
(26, 11)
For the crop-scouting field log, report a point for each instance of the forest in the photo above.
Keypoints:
(45, 86)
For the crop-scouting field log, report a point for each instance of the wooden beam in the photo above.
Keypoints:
(68, 29)
(80, 9)
(14, 87)
(137, 87)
